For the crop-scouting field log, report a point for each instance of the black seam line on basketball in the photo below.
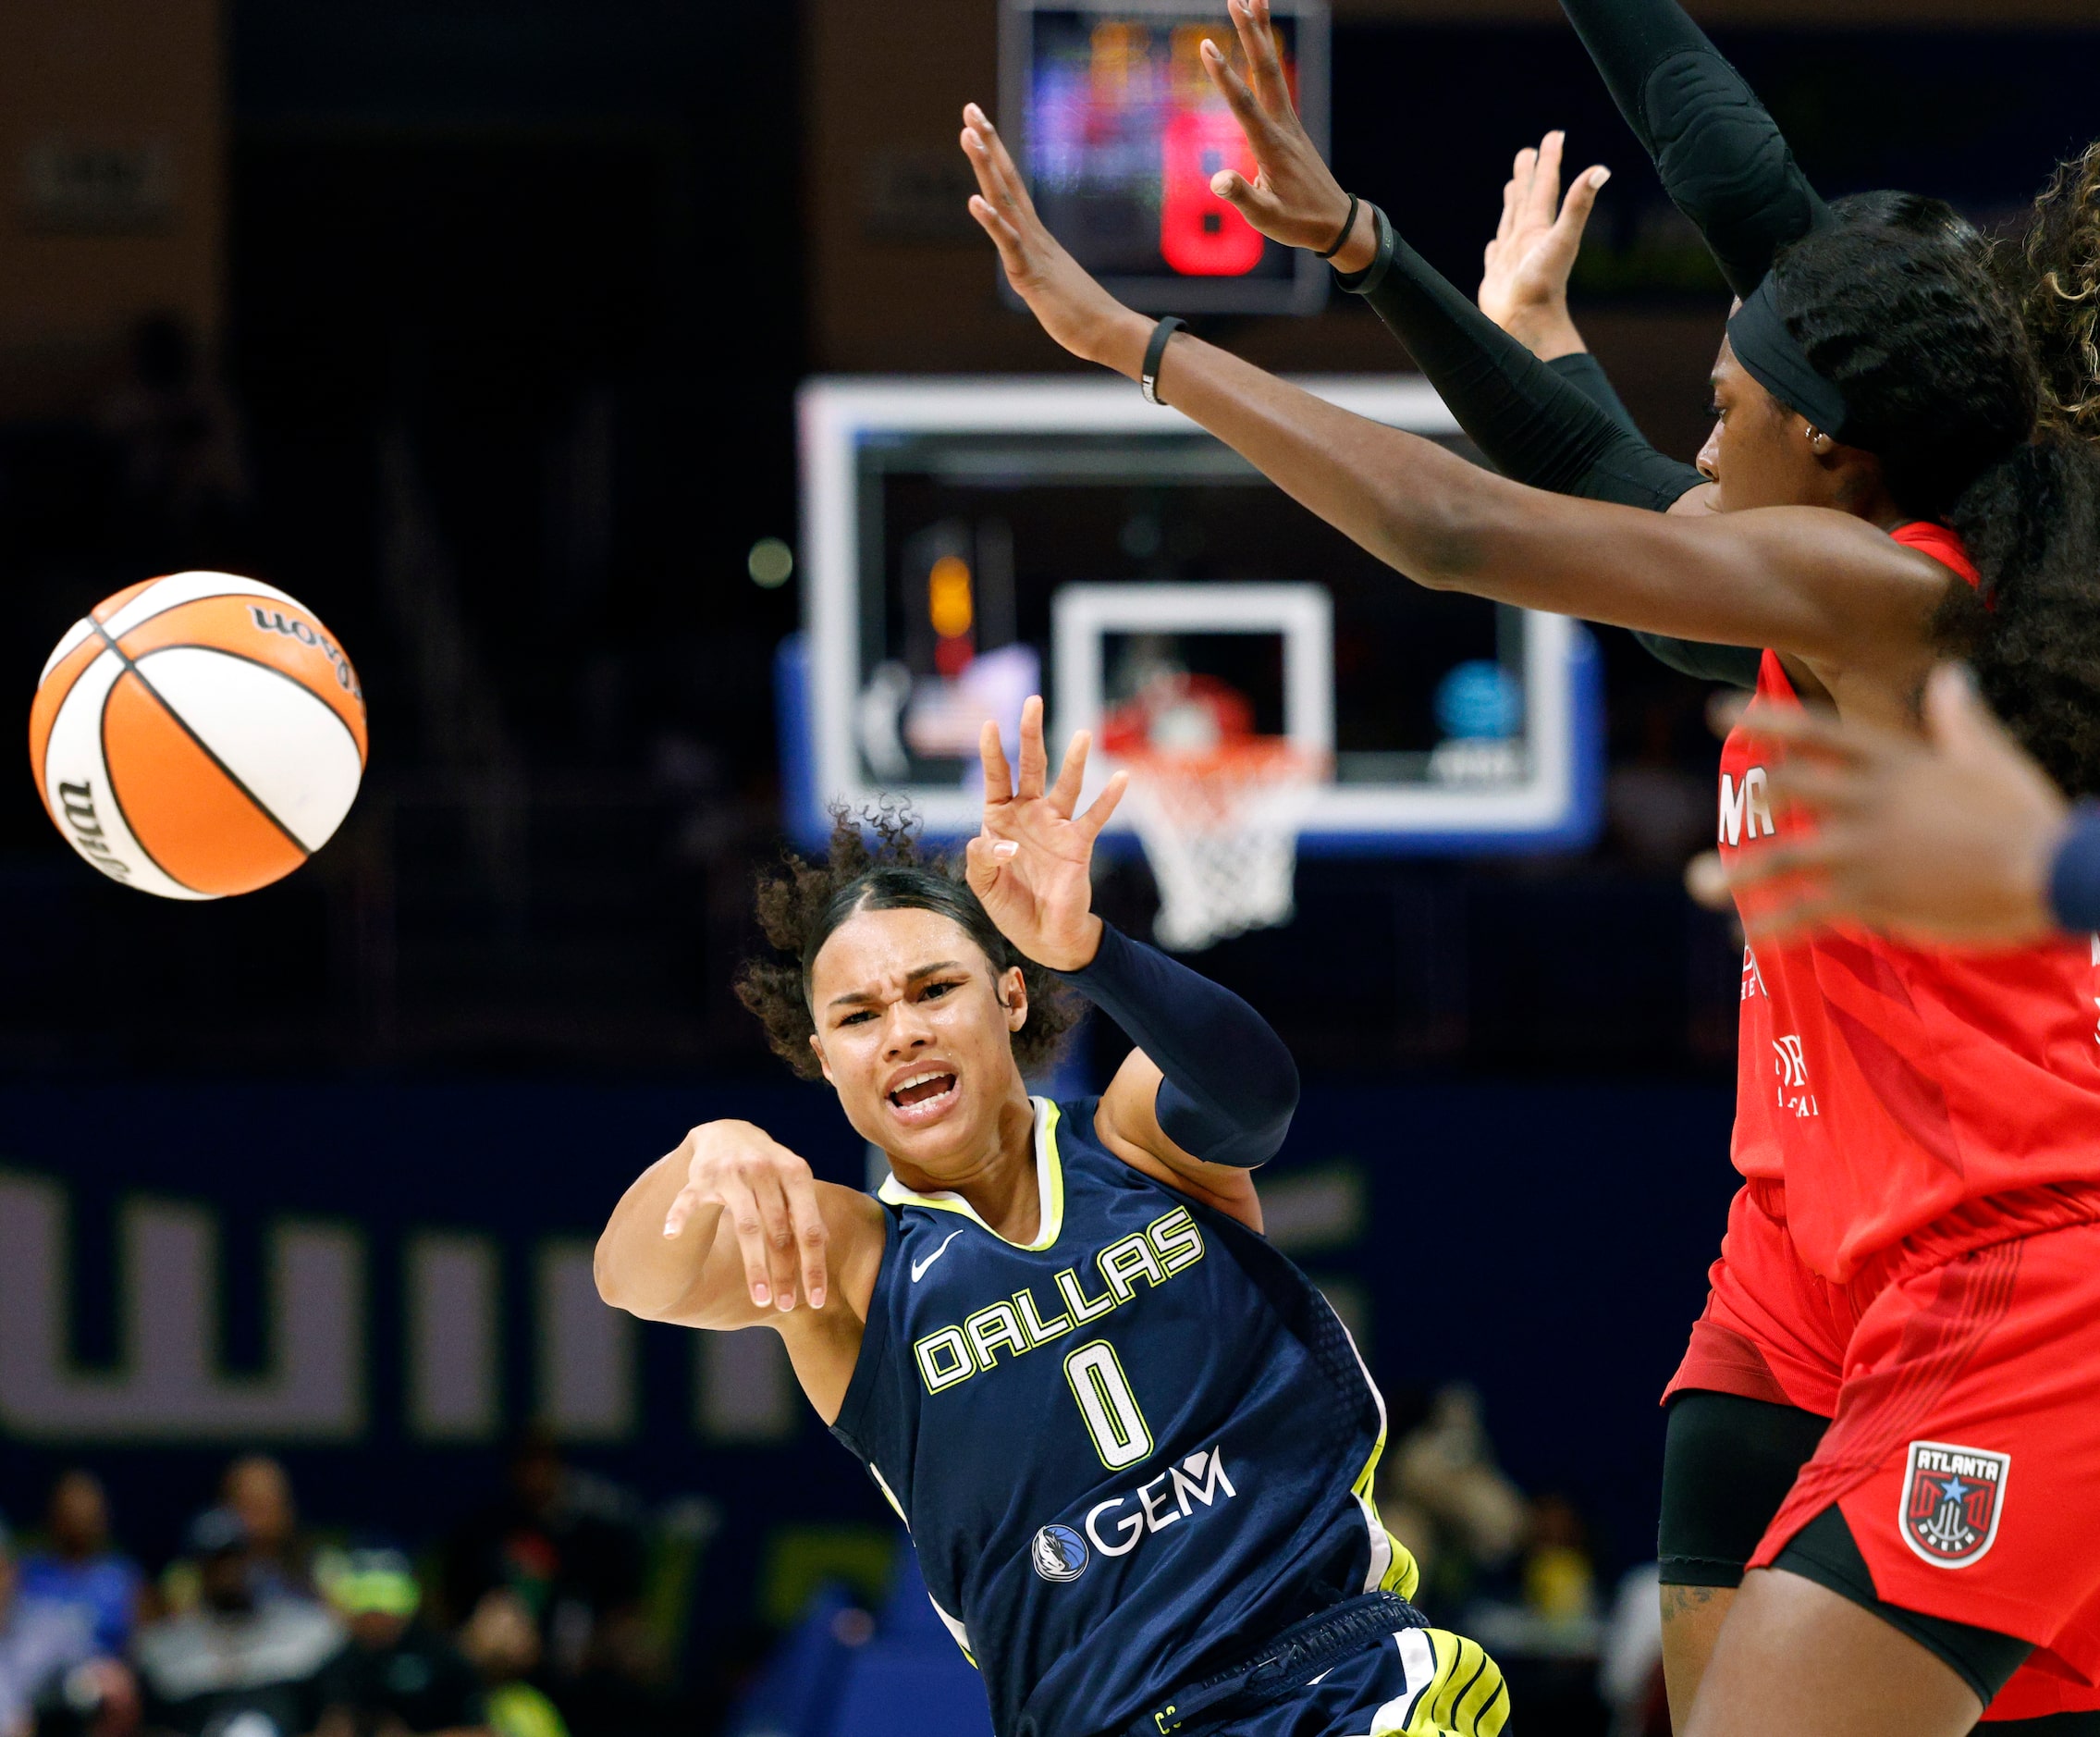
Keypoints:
(283, 675)
(203, 747)
(102, 741)
(182, 603)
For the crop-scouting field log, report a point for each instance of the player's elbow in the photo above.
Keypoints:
(620, 1286)
(1439, 544)
(606, 1271)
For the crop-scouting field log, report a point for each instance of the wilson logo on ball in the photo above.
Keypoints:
(198, 736)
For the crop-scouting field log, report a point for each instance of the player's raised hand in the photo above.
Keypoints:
(1524, 286)
(767, 1198)
(1294, 197)
(1072, 307)
(1031, 865)
(1944, 840)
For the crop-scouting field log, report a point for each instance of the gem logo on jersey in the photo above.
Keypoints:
(1161, 1503)
(1952, 1497)
(1061, 1554)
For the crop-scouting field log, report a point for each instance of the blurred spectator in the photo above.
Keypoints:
(78, 1571)
(567, 1547)
(238, 1665)
(258, 1489)
(177, 443)
(1630, 1676)
(50, 1673)
(395, 1676)
(1560, 1586)
(1658, 810)
(1449, 1501)
(504, 1647)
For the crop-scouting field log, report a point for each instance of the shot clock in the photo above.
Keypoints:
(1119, 130)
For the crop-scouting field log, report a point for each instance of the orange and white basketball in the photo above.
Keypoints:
(198, 736)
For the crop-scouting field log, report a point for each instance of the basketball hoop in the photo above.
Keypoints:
(1220, 828)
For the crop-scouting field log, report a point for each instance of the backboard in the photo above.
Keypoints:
(968, 542)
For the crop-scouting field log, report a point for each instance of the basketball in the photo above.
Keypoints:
(198, 736)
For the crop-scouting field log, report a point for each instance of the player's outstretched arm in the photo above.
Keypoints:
(1211, 1089)
(1721, 156)
(1559, 428)
(1827, 588)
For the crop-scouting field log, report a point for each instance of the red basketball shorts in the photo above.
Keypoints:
(1965, 1451)
(1772, 1330)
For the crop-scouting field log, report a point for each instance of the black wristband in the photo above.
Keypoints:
(1148, 374)
(1349, 227)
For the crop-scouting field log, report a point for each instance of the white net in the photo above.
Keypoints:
(1221, 831)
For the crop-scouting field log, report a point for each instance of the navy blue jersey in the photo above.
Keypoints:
(1128, 1453)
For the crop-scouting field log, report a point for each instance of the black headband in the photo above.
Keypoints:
(1772, 358)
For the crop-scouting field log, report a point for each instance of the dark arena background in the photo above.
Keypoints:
(478, 326)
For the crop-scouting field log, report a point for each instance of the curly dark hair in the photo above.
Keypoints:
(801, 903)
(2055, 273)
(1946, 383)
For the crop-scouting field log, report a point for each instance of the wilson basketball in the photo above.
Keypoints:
(198, 736)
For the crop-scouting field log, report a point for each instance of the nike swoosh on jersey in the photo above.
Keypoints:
(919, 1267)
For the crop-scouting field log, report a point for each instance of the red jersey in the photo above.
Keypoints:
(1888, 1084)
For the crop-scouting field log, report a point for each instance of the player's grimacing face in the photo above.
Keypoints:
(914, 1030)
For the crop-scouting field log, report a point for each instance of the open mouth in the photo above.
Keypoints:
(924, 1095)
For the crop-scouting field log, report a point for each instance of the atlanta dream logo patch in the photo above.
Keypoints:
(1952, 1497)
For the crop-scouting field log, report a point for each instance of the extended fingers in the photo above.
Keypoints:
(1803, 783)
(812, 1241)
(1009, 192)
(1035, 758)
(1522, 173)
(1257, 40)
(1103, 806)
(998, 777)
(778, 1230)
(1253, 121)
(1581, 200)
(1064, 794)
(1545, 179)
(741, 1207)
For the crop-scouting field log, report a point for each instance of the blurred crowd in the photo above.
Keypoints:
(528, 1619)
(1518, 1574)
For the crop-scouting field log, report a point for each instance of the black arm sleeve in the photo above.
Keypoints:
(1534, 426)
(1231, 1087)
(1722, 157)
(1587, 375)
(1552, 425)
